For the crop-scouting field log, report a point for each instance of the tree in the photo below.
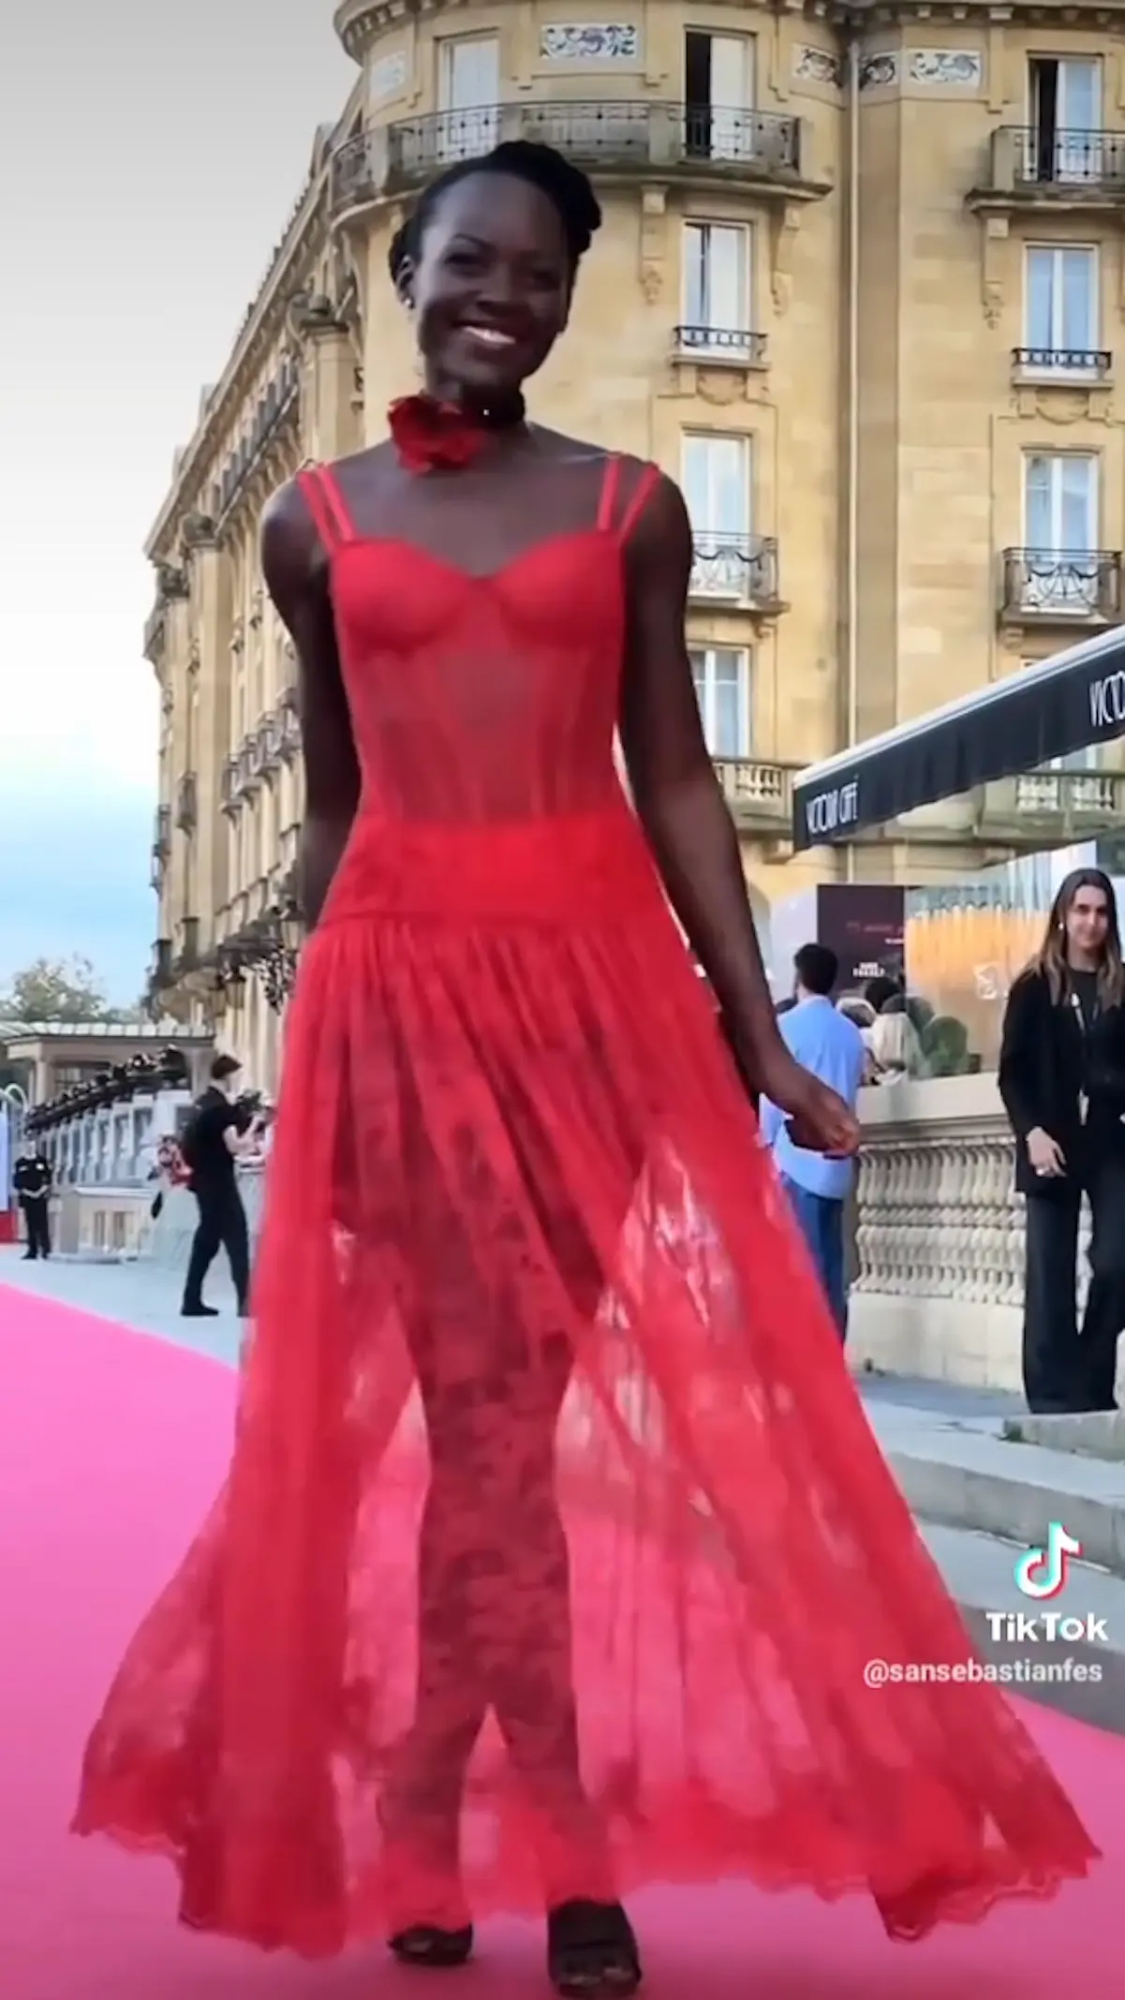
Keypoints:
(54, 989)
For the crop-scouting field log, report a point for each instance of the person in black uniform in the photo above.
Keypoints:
(1062, 1079)
(32, 1183)
(218, 1132)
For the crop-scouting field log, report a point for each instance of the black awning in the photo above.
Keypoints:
(1014, 725)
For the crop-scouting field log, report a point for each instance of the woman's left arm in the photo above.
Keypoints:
(691, 833)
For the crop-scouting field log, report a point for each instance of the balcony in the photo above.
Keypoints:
(739, 570)
(1061, 587)
(278, 404)
(759, 794)
(690, 142)
(171, 586)
(269, 745)
(289, 722)
(1046, 808)
(249, 765)
(1066, 365)
(1035, 166)
(722, 346)
(187, 803)
(187, 957)
(229, 796)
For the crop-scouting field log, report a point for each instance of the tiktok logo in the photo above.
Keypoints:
(1043, 1572)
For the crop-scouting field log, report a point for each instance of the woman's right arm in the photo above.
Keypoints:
(1017, 1067)
(296, 575)
(1026, 1021)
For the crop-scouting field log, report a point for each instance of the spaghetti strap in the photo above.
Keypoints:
(650, 477)
(607, 499)
(326, 505)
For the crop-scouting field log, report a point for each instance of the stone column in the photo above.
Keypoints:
(177, 872)
(211, 598)
(330, 396)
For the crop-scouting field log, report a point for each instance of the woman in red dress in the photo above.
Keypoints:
(555, 1542)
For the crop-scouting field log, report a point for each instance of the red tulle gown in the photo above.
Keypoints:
(555, 1541)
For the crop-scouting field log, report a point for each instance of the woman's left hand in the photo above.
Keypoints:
(817, 1119)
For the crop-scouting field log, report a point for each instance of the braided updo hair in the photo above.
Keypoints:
(565, 185)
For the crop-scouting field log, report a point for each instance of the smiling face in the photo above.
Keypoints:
(490, 289)
(1087, 922)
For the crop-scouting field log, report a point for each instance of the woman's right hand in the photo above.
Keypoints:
(1045, 1154)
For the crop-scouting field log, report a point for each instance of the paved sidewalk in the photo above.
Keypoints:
(142, 1296)
(146, 1297)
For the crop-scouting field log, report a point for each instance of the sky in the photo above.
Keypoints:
(149, 159)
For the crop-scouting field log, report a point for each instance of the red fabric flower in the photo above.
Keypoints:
(430, 436)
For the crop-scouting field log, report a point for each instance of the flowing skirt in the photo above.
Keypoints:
(556, 1543)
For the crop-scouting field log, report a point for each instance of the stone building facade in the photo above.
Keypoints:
(859, 287)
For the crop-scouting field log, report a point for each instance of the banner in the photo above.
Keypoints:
(1016, 724)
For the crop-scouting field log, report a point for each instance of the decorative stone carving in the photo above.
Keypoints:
(879, 72)
(590, 41)
(784, 224)
(946, 69)
(720, 387)
(1062, 406)
(654, 205)
(818, 66)
(993, 253)
(198, 531)
(388, 77)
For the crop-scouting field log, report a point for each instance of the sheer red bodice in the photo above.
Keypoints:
(555, 1542)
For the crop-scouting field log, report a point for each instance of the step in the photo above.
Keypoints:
(1098, 1434)
(967, 1474)
(979, 1573)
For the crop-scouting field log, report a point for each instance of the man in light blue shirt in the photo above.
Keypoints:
(827, 1043)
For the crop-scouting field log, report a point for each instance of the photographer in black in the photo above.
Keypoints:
(218, 1133)
(1062, 1079)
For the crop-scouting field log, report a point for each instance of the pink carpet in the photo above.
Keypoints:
(111, 1446)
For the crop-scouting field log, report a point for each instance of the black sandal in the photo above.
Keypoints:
(427, 1944)
(591, 1949)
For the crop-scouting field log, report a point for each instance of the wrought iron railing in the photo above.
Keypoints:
(1045, 157)
(1063, 360)
(613, 136)
(729, 343)
(739, 568)
(1062, 583)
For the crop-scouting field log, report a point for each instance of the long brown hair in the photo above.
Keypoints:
(1051, 959)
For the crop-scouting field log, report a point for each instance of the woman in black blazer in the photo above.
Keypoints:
(1062, 1079)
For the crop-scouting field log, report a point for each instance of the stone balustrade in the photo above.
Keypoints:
(937, 1245)
(939, 1236)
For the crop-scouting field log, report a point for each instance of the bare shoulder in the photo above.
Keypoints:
(287, 519)
(663, 521)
